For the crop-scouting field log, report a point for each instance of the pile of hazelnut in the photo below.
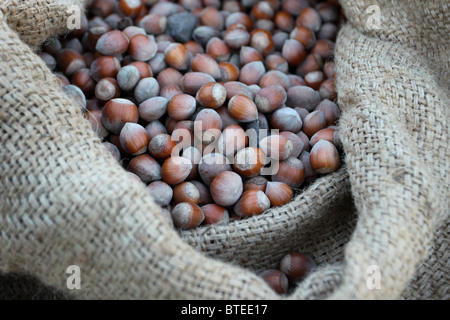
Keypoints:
(222, 109)
(294, 267)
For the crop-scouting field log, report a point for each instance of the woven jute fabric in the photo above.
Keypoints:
(65, 201)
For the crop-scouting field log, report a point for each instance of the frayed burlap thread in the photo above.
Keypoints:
(65, 201)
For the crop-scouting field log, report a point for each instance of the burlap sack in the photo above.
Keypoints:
(65, 201)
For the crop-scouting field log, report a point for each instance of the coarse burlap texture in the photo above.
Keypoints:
(64, 200)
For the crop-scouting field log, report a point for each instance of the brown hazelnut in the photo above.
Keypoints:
(191, 82)
(270, 98)
(252, 202)
(296, 266)
(249, 162)
(276, 280)
(175, 169)
(242, 108)
(134, 138)
(181, 107)
(146, 168)
(324, 157)
(161, 146)
(215, 214)
(226, 188)
(256, 183)
(161, 192)
(203, 62)
(291, 172)
(187, 215)
(279, 193)
(186, 192)
(211, 95)
(117, 112)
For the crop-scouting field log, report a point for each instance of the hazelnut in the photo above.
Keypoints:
(169, 76)
(154, 128)
(181, 107)
(144, 69)
(211, 165)
(241, 18)
(226, 188)
(330, 110)
(236, 37)
(203, 62)
(327, 89)
(153, 108)
(186, 192)
(262, 41)
(249, 54)
(153, 23)
(161, 192)
(127, 78)
(146, 168)
(324, 157)
(252, 72)
(314, 79)
(215, 214)
(232, 139)
(291, 172)
(274, 77)
(218, 49)
(279, 193)
(309, 171)
(211, 17)
(270, 98)
(276, 147)
(302, 97)
(309, 18)
(82, 79)
(276, 280)
(114, 151)
(134, 138)
(130, 8)
(191, 82)
(146, 88)
(176, 169)
(296, 266)
(211, 95)
(104, 67)
(112, 43)
(286, 119)
(107, 89)
(249, 162)
(161, 146)
(284, 21)
(117, 112)
(177, 56)
(294, 52)
(256, 183)
(187, 215)
(193, 48)
(242, 108)
(142, 47)
(327, 134)
(252, 202)
(70, 61)
(305, 36)
(237, 88)
(276, 62)
(313, 62)
(297, 142)
(314, 122)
